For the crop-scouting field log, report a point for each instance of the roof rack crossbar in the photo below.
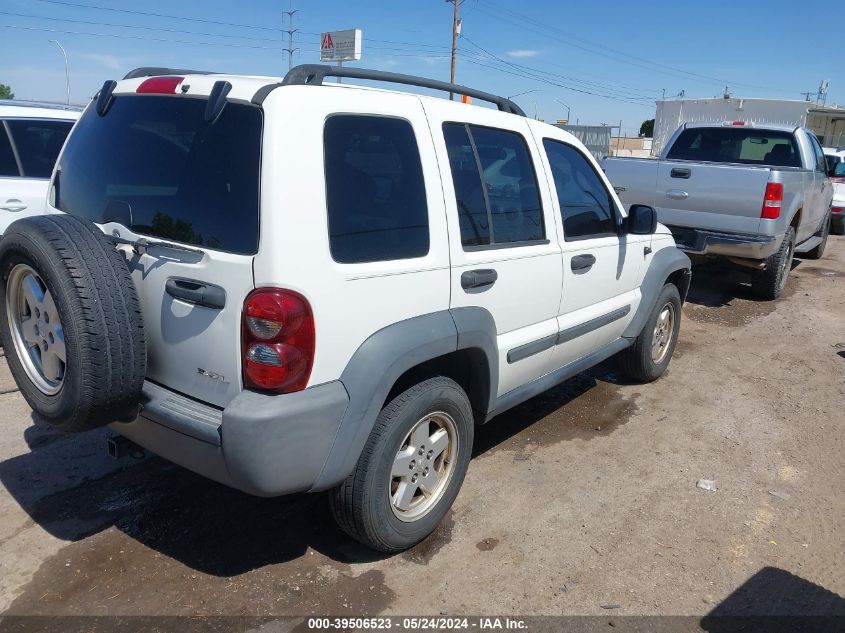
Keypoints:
(314, 74)
(152, 71)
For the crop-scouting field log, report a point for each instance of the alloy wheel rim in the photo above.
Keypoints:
(423, 466)
(663, 330)
(36, 329)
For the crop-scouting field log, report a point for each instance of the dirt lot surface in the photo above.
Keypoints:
(581, 500)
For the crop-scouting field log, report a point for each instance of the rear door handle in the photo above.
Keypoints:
(196, 292)
(483, 278)
(582, 262)
(619, 189)
(680, 172)
(677, 194)
(13, 205)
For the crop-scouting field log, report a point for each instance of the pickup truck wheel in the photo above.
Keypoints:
(818, 251)
(411, 468)
(70, 322)
(649, 356)
(770, 282)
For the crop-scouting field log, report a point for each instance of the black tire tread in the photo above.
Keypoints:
(635, 362)
(765, 283)
(106, 312)
(343, 499)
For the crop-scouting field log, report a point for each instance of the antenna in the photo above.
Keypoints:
(290, 31)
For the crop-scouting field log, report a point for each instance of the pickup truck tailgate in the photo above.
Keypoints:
(720, 197)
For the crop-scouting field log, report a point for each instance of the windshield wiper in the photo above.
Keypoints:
(141, 245)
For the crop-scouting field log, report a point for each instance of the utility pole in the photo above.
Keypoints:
(290, 31)
(67, 76)
(456, 22)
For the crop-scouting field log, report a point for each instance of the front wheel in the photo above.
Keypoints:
(649, 356)
(411, 468)
(818, 251)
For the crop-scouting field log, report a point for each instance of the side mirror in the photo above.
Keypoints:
(642, 220)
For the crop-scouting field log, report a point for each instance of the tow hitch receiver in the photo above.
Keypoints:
(120, 447)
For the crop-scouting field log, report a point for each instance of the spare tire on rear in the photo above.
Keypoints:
(70, 322)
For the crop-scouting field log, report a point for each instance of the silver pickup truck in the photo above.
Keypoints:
(754, 194)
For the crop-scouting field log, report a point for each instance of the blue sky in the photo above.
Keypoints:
(607, 60)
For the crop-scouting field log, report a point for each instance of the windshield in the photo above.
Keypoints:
(171, 173)
(736, 145)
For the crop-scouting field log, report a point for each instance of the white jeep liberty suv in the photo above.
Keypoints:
(296, 286)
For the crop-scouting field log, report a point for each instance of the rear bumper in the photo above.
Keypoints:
(266, 445)
(706, 242)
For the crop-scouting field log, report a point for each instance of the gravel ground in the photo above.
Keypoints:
(581, 499)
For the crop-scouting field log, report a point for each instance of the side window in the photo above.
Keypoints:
(821, 163)
(8, 165)
(38, 144)
(495, 186)
(586, 206)
(375, 192)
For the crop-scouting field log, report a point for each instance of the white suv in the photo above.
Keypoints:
(332, 284)
(31, 136)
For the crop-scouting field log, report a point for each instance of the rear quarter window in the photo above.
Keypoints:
(375, 192)
(38, 143)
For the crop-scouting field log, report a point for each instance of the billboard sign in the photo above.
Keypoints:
(340, 46)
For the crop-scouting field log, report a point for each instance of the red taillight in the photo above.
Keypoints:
(837, 210)
(772, 201)
(277, 340)
(160, 85)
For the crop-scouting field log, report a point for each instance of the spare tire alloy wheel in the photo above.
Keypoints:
(70, 322)
(36, 329)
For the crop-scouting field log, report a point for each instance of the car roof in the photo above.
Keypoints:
(775, 127)
(38, 110)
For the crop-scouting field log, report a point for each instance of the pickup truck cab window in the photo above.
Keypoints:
(495, 186)
(736, 145)
(375, 192)
(820, 161)
(586, 206)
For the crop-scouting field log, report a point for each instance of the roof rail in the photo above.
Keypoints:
(314, 74)
(151, 71)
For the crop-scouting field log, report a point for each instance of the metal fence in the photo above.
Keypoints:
(595, 137)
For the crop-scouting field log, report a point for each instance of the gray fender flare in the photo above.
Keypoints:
(665, 262)
(387, 354)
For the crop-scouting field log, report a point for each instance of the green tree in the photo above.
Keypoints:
(647, 128)
(6, 92)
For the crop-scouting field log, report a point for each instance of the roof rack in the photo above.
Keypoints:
(151, 71)
(314, 74)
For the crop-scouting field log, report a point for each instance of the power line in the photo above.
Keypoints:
(603, 50)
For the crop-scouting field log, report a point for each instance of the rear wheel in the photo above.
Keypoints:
(818, 251)
(770, 282)
(411, 468)
(70, 322)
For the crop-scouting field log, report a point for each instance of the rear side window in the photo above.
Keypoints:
(375, 192)
(38, 143)
(586, 206)
(174, 175)
(737, 145)
(495, 186)
(8, 165)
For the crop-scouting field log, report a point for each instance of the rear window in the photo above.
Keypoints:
(375, 193)
(38, 143)
(737, 145)
(182, 179)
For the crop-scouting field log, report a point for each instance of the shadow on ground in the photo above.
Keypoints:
(220, 531)
(775, 601)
